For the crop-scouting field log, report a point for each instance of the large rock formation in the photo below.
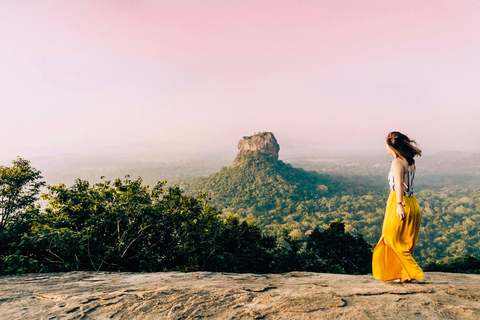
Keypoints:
(207, 295)
(260, 143)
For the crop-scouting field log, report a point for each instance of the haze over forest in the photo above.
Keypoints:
(434, 170)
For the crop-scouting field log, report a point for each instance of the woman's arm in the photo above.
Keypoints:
(398, 171)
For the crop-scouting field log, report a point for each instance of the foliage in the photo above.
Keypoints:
(266, 190)
(335, 248)
(278, 196)
(466, 264)
(125, 226)
(19, 188)
(290, 253)
(330, 249)
(243, 248)
(285, 219)
(450, 220)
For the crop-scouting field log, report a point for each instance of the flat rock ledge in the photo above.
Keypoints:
(206, 295)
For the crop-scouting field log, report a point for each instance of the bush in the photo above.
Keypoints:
(466, 264)
(334, 250)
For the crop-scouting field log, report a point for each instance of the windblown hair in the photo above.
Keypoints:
(403, 146)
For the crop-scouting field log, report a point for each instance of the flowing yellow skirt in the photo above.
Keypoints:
(393, 255)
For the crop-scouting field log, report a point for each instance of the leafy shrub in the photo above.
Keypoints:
(334, 250)
(466, 264)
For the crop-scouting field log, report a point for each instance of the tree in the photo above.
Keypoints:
(242, 248)
(338, 251)
(465, 264)
(19, 188)
(123, 225)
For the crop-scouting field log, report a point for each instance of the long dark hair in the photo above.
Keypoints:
(403, 146)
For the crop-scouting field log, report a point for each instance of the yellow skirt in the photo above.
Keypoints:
(393, 255)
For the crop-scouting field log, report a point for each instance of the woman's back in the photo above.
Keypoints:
(408, 178)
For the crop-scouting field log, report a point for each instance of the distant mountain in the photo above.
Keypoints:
(259, 186)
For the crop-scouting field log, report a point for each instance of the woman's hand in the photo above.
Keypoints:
(401, 212)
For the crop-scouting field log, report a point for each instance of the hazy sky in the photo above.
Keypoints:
(89, 77)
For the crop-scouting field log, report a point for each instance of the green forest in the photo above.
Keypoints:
(124, 225)
(278, 196)
(260, 215)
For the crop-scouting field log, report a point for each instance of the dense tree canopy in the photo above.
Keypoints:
(277, 196)
(125, 225)
(274, 218)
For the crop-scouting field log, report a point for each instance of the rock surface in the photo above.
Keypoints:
(262, 143)
(205, 295)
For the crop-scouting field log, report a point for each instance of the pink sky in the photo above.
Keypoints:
(102, 76)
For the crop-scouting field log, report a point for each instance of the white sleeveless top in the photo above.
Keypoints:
(407, 181)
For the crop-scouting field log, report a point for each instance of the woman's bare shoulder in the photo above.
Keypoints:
(398, 164)
(397, 161)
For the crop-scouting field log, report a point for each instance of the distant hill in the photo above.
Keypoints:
(260, 187)
(258, 180)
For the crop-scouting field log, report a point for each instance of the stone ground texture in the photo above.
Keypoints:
(206, 295)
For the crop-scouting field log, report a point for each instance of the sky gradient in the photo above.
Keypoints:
(93, 77)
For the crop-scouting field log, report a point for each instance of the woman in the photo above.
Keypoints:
(393, 255)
